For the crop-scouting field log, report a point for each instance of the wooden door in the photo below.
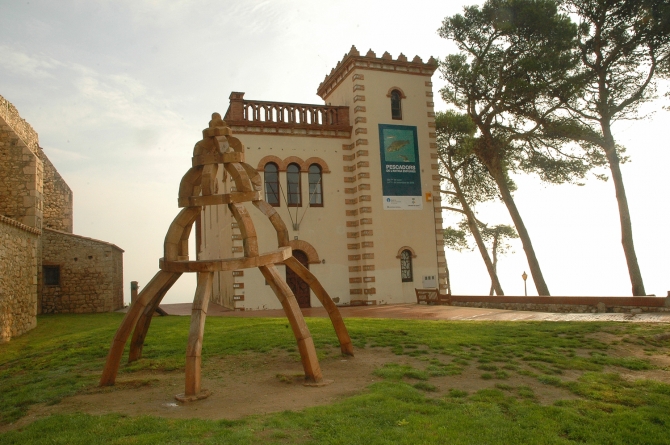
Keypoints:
(298, 286)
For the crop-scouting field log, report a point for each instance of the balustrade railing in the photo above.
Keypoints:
(285, 114)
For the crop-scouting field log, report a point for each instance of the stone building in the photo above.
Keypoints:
(355, 179)
(44, 267)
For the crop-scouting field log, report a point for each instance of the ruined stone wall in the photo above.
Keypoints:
(91, 274)
(19, 259)
(57, 207)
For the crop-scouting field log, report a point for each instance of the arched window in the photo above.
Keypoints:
(406, 266)
(396, 106)
(271, 184)
(315, 186)
(293, 185)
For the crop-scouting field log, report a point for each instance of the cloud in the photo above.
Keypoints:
(23, 64)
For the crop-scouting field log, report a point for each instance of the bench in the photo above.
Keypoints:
(431, 296)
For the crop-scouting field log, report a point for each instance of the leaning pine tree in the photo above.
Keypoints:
(465, 181)
(512, 70)
(624, 45)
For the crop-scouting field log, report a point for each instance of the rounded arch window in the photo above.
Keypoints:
(396, 105)
(315, 186)
(271, 179)
(293, 185)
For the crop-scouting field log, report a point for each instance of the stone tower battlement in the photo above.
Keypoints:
(370, 61)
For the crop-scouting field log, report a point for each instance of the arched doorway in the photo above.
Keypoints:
(298, 286)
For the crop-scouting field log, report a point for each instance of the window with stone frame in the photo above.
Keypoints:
(396, 105)
(271, 179)
(51, 275)
(315, 186)
(406, 266)
(293, 192)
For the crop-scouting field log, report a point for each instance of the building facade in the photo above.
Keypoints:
(355, 180)
(44, 267)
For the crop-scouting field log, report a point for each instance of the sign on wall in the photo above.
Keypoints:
(401, 174)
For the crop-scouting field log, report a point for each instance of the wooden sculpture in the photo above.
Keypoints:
(198, 189)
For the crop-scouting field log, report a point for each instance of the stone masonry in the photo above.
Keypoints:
(57, 209)
(18, 278)
(36, 220)
(91, 274)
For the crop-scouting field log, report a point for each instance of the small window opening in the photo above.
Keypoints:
(271, 178)
(315, 186)
(51, 275)
(396, 106)
(406, 266)
(293, 185)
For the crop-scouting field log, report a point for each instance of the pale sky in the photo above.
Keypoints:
(119, 92)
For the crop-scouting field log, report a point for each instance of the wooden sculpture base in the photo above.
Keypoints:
(203, 394)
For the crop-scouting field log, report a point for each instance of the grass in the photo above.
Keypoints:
(64, 355)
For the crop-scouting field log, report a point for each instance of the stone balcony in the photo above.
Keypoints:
(288, 119)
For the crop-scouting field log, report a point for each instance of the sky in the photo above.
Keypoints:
(119, 92)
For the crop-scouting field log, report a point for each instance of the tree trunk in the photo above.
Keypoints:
(495, 259)
(533, 263)
(472, 224)
(624, 213)
(448, 279)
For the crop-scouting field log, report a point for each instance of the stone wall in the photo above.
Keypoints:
(565, 304)
(21, 174)
(91, 274)
(19, 259)
(57, 207)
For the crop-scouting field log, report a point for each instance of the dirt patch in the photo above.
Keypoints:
(241, 385)
(255, 384)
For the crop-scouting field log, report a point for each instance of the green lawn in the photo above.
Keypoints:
(64, 355)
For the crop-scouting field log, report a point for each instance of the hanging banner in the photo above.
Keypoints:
(401, 174)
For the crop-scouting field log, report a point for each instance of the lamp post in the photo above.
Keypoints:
(525, 277)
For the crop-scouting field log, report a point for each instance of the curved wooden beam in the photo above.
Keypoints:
(158, 282)
(144, 321)
(274, 257)
(333, 312)
(310, 362)
(247, 229)
(190, 182)
(172, 245)
(275, 219)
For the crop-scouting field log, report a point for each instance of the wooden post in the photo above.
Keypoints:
(203, 292)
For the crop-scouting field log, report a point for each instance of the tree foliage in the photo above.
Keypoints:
(515, 67)
(464, 180)
(623, 47)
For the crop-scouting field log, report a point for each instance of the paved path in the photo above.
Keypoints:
(424, 312)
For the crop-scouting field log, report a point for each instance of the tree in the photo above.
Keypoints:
(624, 45)
(512, 71)
(465, 179)
(498, 235)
